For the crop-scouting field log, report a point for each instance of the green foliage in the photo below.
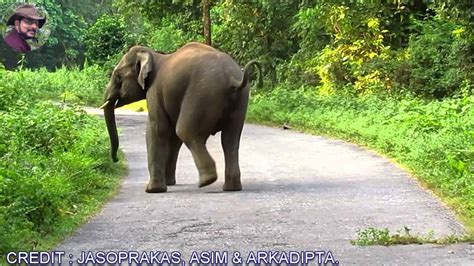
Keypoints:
(440, 59)
(156, 10)
(168, 37)
(398, 47)
(84, 86)
(374, 236)
(105, 38)
(366, 48)
(185, 14)
(461, 11)
(54, 158)
(162, 25)
(435, 139)
(257, 29)
(345, 38)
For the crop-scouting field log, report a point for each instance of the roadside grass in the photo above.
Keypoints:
(55, 172)
(80, 86)
(67, 220)
(375, 236)
(434, 140)
(94, 201)
(55, 167)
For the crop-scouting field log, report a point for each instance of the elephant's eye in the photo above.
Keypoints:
(118, 78)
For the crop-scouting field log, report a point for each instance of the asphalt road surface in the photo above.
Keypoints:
(300, 193)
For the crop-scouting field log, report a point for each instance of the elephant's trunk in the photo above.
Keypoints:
(109, 115)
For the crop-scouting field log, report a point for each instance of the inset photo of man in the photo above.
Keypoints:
(24, 32)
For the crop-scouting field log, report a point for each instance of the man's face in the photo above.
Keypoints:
(27, 27)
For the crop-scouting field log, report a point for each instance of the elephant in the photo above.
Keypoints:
(191, 94)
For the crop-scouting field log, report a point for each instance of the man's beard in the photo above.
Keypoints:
(26, 37)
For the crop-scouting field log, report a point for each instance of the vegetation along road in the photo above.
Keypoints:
(301, 193)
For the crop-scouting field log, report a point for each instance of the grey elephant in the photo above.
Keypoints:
(191, 93)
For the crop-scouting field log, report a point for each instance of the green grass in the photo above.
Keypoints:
(434, 140)
(375, 236)
(80, 86)
(55, 171)
(25, 237)
(55, 166)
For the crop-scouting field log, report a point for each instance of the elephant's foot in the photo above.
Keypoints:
(155, 187)
(207, 180)
(170, 181)
(232, 186)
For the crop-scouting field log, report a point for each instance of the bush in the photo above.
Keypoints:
(54, 158)
(107, 37)
(84, 86)
(383, 48)
(440, 59)
(339, 46)
(167, 37)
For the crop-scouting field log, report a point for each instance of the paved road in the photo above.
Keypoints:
(301, 193)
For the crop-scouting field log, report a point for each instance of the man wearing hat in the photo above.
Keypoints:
(26, 22)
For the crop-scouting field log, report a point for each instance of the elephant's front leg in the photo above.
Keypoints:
(158, 150)
(175, 144)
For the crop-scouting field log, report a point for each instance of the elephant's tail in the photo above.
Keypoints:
(246, 70)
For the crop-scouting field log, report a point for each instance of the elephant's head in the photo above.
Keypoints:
(127, 84)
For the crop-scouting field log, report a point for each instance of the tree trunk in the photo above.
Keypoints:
(206, 18)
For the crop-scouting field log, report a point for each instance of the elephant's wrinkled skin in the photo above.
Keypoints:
(191, 94)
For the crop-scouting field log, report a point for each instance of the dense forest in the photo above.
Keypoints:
(422, 48)
(396, 76)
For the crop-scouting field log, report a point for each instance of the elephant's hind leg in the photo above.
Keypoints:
(230, 140)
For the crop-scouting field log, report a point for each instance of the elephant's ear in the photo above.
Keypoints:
(145, 66)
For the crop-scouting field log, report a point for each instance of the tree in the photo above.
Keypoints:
(187, 13)
(257, 30)
(105, 38)
(206, 17)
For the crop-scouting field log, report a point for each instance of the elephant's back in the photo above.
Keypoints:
(196, 46)
(196, 62)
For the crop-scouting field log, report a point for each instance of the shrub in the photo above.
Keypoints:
(54, 161)
(167, 37)
(105, 38)
(84, 86)
(440, 58)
